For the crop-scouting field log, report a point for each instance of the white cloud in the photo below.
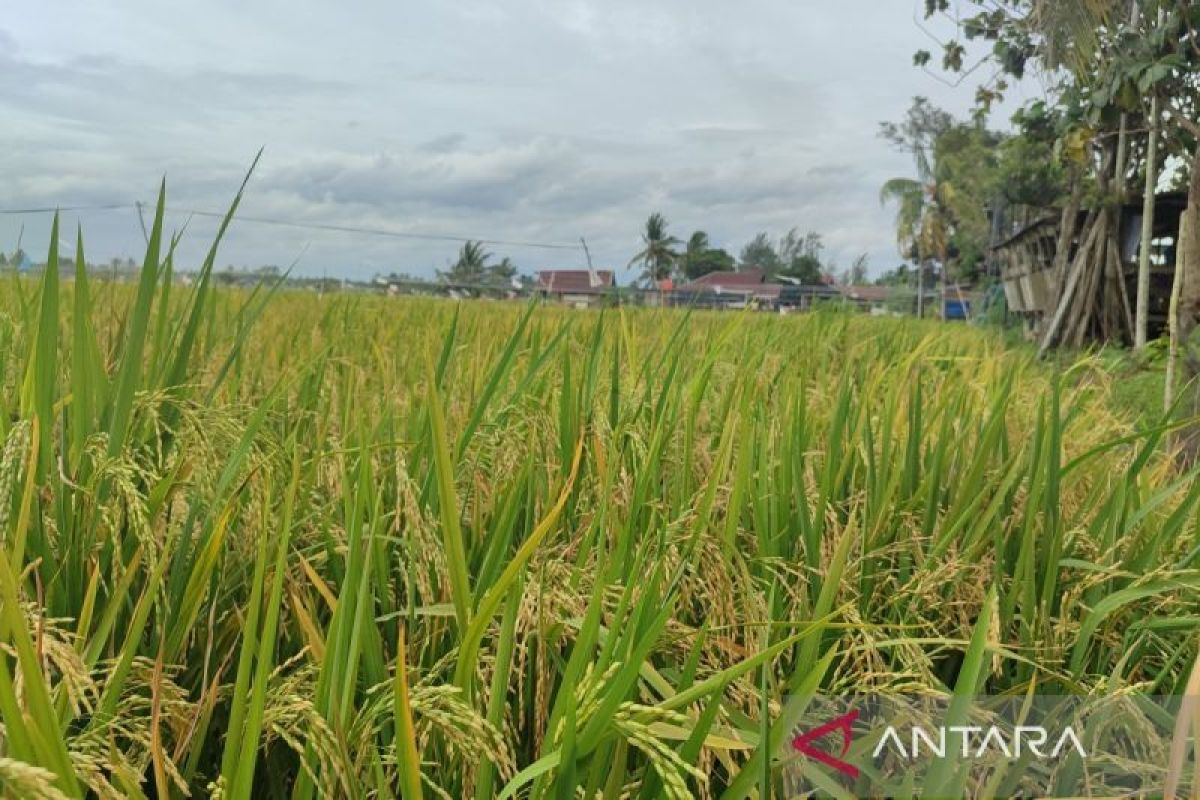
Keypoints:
(534, 119)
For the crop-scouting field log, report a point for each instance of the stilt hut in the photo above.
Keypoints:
(1088, 293)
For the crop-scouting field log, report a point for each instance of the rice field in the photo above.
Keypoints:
(270, 544)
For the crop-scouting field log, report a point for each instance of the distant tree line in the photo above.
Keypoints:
(795, 255)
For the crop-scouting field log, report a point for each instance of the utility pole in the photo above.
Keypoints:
(920, 288)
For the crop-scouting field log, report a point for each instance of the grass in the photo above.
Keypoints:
(276, 545)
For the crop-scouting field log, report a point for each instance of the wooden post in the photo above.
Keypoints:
(1187, 313)
(1068, 291)
(1173, 312)
(921, 288)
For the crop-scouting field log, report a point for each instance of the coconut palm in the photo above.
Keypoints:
(923, 218)
(923, 223)
(697, 245)
(471, 266)
(658, 256)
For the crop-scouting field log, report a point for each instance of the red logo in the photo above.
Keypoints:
(803, 743)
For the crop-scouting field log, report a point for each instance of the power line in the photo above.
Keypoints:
(323, 226)
(320, 226)
(49, 210)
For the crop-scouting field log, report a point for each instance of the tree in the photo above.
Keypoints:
(503, 272)
(657, 257)
(471, 268)
(800, 256)
(1117, 68)
(1029, 173)
(966, 161)
(699, 258)
(900, 275)
(759, 253)
(856, 274)
(923, 217)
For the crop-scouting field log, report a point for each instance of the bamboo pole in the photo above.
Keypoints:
(1125, 310)
(1143, 278)
(1064, 300)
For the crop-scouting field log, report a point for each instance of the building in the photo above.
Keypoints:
(578, 287)
(957, 304)
(1100, 272)
(751, 289)
(745, 289)
(870, 298)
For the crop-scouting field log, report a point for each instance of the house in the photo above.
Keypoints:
(578, 287)
(748, 288)
(1027, 257)
(870, 298)
(958, 303)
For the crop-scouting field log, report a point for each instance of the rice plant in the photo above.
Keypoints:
(276, 544)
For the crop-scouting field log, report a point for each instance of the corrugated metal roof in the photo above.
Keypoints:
(871, 294)
(574, 281)
(713, 281)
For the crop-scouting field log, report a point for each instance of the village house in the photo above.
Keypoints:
(578, 287)
(1099, 273)
(748, 288)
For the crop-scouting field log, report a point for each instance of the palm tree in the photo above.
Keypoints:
(923, 224)
(694, 253)
(471, 266)
(657, 257)
(504, 272)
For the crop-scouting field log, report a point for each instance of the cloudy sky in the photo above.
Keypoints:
(521, 121)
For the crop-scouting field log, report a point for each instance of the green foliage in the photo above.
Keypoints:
(1028, 170)
(760, 253)
(657, 257)
(942, 214)
(700, 258)
(796, 255)
(800, 256)
(965, 158)
(472, 268)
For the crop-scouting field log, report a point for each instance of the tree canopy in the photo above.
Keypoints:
(473, 268)
(700, 257)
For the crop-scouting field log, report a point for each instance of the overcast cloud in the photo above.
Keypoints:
(528, 120)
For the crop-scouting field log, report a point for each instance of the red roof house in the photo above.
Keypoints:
(575, 281)
(749, 280)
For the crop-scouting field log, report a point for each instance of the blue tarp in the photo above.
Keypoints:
(957, 309)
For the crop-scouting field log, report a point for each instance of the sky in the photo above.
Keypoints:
(527, 121)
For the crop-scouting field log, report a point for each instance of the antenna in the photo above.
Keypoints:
(142, 220)
(593, 279)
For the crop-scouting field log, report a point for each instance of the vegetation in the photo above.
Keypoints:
(700, 257)
(658, 257)
(472, 268)
(942, 221)
(1121, 113)
(796, 256)
(276, 544)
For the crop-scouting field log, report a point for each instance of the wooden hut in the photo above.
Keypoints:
(1081, 287)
